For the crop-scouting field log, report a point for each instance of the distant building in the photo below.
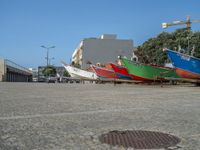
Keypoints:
(12, 72)
(101, 50)
(59, 72)
(34, 73)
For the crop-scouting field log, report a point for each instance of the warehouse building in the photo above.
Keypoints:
(101, 50)
(12, 72)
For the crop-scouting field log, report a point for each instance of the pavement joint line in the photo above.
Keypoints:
(72, 113)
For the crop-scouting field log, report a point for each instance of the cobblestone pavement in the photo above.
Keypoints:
(39, 116)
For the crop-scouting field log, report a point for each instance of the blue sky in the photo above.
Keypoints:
(25, 25)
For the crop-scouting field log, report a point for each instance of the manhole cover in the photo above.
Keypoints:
(139, 139)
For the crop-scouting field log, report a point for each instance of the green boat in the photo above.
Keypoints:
(145, 72)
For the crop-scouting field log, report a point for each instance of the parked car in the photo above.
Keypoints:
(51, 79)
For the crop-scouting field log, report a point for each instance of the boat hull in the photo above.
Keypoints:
(79, 73)
(144, 72)
(121, 72)
(103, 72)
(186, 66)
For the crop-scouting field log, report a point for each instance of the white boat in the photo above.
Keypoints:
(79, 73)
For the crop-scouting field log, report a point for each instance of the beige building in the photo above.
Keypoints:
(101, 50)
(2, 70)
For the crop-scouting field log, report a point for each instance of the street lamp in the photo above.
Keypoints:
(50, 60)
(47, 48)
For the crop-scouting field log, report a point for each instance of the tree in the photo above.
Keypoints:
(151, 51)
(77, 65)
(49, 71)
(66, 74)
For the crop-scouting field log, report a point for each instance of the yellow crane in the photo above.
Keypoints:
(187, 22)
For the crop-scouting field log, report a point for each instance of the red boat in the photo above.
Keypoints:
(104, 72)
(121, 72)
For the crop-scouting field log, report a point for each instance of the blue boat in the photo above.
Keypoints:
(186, 66)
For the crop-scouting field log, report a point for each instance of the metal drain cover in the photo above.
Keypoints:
(139, 139)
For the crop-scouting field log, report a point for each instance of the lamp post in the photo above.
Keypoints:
(50, 60)
(47, 48)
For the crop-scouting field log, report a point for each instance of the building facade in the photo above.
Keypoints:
(101, 50)
(34, 74)
(12, 72)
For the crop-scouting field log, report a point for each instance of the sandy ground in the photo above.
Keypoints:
(72, 116)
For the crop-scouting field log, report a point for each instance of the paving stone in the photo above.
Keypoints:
(72, 116)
